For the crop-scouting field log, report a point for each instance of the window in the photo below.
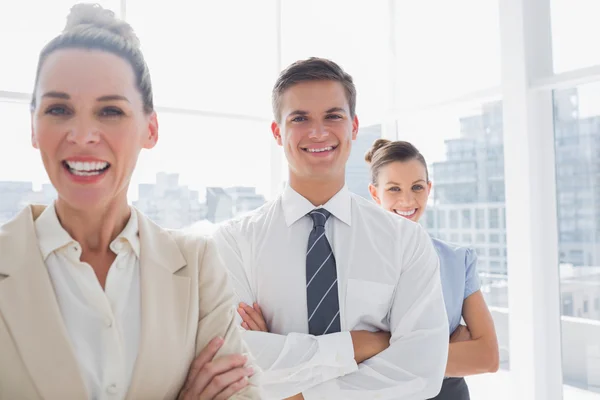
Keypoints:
(371, 78)
(577, 114)
(453, 219)
(430, 219)
(567, 301)
(24, 184)
(495, 266)
(199, 168)
(574, 22)
(441, 219)
(494, 218)
(458, 141)
(494, 252)
(466, 219)
(358, 176)
(471, 62)
(44, 20)
(479, 219)
(191, 51)
(494, 238)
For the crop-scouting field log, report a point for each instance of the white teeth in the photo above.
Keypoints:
(320, 150)
(83, 173)
(406, 213)
(78, 166)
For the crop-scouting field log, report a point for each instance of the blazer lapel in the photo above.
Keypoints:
(165, 302)
(29, 307)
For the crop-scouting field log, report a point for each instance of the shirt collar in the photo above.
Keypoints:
(129, 235)
(50, 233)
(295, 206)
(52, 236)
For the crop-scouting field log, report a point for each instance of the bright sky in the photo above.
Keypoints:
(220, 56)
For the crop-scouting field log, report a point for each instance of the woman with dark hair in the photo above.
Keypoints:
(96, 301)
(400, 184)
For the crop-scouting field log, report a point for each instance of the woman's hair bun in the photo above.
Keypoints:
(85, 16)
(378, 144)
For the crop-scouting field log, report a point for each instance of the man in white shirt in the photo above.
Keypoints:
(328, 273)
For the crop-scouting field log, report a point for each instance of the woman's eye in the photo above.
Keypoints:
(111, 112)
(57, 110)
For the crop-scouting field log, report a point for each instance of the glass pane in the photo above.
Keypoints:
(222, 165)
(209, 55)
(453, 219)
(349, 32)
(466, 219)
(445, 49)
(25, 27)
(357, 171)
(577, 144)
(574, 31)
(463, 147)
(23, 184)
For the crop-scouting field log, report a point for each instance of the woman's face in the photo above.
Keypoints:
(90, 126)
(402, 188)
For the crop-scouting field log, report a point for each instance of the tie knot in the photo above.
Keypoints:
(319, 216)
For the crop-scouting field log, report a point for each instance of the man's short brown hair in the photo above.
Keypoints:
(312, 69)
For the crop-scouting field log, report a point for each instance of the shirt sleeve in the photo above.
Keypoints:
(414, 364)
(290, 363)
(472, 283)
(216, 317)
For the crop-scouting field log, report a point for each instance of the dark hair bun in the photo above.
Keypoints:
(85, 16)
(379, 143)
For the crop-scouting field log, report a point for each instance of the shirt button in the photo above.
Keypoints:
(108, 321)
(111, 389)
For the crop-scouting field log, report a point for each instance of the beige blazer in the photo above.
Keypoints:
(186, 300)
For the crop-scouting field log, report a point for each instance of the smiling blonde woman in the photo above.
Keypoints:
(96, 301)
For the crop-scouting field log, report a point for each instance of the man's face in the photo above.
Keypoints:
(316, 130)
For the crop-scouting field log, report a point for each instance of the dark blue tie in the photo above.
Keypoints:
(321, 279)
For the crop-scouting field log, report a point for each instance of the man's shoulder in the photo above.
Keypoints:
(250, 220)
(381, 218)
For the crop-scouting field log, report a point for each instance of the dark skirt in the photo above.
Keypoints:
(453, 389)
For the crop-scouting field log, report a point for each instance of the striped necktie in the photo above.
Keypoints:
(321, 279)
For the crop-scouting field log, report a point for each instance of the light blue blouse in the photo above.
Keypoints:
(458, 269)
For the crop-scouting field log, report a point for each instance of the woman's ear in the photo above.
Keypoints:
(373, 191)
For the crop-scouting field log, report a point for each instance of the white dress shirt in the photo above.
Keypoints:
(388, 279)
(103, 325)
